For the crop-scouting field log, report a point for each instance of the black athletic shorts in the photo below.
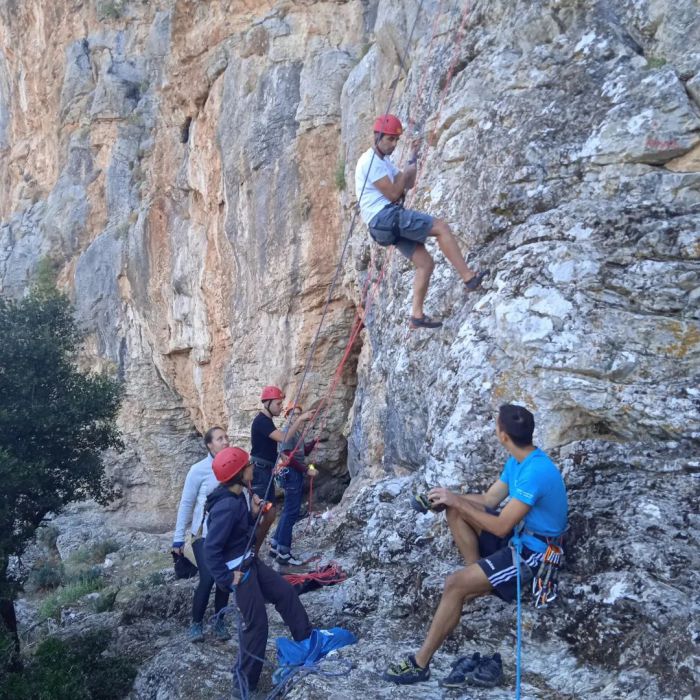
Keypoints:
(498, 565)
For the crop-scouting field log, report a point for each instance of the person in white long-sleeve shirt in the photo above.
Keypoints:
(199, 483)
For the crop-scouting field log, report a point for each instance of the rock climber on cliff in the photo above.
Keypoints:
(264, 436)
(537, 509)
(380, 188)
(236, 568)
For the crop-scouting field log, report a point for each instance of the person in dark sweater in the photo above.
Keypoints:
(231, 559)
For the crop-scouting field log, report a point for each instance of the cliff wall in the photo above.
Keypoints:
(183, 165)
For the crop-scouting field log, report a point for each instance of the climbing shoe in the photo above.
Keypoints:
(423, 322)
(220, 630)
(196, 633)
(407, 671)
(423, 504)
(461, 672)
(273, 551)
(475, 282)
(288, 559)
(489, 672)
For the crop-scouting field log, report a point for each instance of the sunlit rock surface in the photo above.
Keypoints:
(183, 165)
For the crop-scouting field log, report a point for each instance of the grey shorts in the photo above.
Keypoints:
(412, 226)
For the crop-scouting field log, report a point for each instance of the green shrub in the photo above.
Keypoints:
(79, 668)
(656, 62)
(153, 580)
(47, 575)
(93, 553)
(105, 602)
(85, 582)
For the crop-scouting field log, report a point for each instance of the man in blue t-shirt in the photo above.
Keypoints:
(537, 499)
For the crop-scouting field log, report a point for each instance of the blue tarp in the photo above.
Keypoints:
(309, 651)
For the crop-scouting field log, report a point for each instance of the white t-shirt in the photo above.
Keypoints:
(372, 201)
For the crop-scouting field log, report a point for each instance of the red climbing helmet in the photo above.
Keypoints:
(291, 407)
(270, 393)
(229, 462)
(388, 124)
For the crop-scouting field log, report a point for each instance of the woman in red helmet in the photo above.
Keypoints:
(380, 187)
(264, 436)
(231, 560)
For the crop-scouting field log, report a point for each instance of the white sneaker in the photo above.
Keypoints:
(288, 559)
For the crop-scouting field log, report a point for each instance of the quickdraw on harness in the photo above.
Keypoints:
(545, 585)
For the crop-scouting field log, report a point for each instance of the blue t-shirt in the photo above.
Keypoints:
(537, 482)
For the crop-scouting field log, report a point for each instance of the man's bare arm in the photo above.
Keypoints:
(474, 513)
(395, 190)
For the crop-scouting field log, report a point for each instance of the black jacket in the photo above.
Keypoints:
(229, 529)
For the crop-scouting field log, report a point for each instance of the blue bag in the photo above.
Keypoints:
(309, 651)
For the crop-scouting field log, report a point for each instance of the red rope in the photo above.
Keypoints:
(358, 322)
(367, 294)
(327, 575)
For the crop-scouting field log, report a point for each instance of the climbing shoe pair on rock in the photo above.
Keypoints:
(284, 558)
(470, 285)
(482, 671)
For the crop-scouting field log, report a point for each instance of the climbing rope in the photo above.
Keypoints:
(238, 675)
(517, 544)
(367, 297)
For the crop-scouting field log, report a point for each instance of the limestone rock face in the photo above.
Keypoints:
(183, 165)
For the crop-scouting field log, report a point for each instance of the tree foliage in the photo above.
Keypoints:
(55, 420)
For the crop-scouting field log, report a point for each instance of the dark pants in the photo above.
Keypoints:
(206, 581)
(263, 484)
(264, 585)
(293, 485)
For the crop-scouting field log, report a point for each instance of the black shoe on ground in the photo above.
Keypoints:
(489, 672)
(407, 671)
(461, 674)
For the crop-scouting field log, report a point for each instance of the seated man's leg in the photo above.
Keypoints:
(461, 586)
(465, 536)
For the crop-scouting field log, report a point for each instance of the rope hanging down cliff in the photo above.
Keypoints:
(369, 293)
(367, 296)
